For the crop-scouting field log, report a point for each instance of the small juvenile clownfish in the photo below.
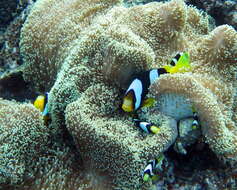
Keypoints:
(146, 126)
(195, 123)
(138, 88)
(41, 103)
(148, 173)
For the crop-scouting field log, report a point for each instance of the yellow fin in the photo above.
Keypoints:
(155, 177)
(154, 129)
(146, 177)
(148, 102)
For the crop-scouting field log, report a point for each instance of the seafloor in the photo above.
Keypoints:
(199, 169)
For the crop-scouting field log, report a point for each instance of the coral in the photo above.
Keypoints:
(23, 138)
(129, 3)
(11, 9)
(7, 10)
(85, 52)
(9, 43)
(9, 50)
(224, 11)
(30, 160)
(210, 88)
(108, 142)
(48, 46)
(59, 169)
(13, 86)
(10, 60)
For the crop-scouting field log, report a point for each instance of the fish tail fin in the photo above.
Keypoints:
(184, 63)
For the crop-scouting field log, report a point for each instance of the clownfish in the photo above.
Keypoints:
(195, 123)
(148, 173)
(41, 103)
(146, 126)
(138, 88)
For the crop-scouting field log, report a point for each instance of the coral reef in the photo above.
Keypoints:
(9, 52)
(108, 142)
(12, 84)
(9, 42)
(224, 11)
(129, 3)
(23, 138)
(10, 9)
(84, 53)
(59, 169)
(210, 88)
(193, 172)
(6, 10)
(31, 160)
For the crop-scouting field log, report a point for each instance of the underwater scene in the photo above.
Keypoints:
(118, 95)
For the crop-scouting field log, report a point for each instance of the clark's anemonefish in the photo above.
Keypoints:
(195, 123)
(147, 126)
(138, 88)
(148, 173)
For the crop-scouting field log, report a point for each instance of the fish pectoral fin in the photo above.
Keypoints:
(146, 177)
(148, 102)
(154, 177)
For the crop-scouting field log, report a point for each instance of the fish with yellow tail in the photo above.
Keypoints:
(195, 123)
(153, 165)
(41, 103)
(147, 126)
(134, 97)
